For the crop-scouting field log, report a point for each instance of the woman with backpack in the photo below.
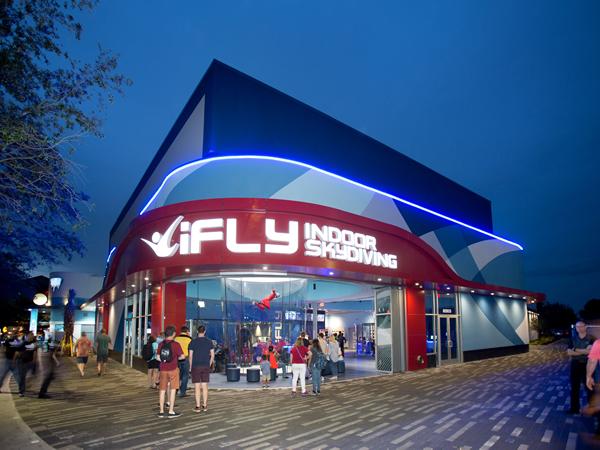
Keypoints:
(152, 361)
(316, 362)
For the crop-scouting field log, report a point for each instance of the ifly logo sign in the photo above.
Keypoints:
(320, 241)
(194, 234)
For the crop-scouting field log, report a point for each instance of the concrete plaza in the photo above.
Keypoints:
(515, 402)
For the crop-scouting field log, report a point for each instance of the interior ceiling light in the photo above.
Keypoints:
(201, 162)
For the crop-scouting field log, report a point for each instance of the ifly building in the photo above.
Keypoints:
(261, 217)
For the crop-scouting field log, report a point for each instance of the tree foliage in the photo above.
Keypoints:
(591, 310)
(555, 317)
(49, 100)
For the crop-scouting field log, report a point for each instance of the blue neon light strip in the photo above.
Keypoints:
(112, 250)
(201, 162)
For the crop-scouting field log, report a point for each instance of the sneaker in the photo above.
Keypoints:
(315, 393)
(21, 395)
(204, 408)
(197, 409)
(161, 415)
(173, 415)
(304, 394)
(43, 396)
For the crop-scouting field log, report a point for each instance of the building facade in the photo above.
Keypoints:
(261, 217)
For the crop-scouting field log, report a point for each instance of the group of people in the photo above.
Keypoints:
(170, 359)
(21, 358)
(83, 347)
(314, 356)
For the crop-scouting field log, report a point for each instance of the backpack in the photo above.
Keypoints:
(166, 353)
(320, 362)
(147, 352)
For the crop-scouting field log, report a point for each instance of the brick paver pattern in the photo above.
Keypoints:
(515, 402)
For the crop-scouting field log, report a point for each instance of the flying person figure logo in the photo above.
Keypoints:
(265, 303)
(161, 243)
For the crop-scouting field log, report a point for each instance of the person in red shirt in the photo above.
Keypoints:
(298, 354)
(169, 352)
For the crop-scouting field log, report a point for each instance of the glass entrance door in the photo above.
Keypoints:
(449, 345)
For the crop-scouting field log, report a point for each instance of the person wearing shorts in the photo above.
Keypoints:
(102, 343)
(202, 358)
(153, 363)
(169, 372)
(82, 347)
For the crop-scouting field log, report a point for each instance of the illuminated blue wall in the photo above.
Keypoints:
(492, 322)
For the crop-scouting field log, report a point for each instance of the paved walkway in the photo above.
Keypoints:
(515, 402)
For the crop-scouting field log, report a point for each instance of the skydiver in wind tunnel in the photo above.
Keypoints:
(265, 303)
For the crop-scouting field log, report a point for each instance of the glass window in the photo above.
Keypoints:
(447, 303)
(429, 302)
(383, 304)
(244, 314)
(431, 333)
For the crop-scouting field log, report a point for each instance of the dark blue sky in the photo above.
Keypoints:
(503, 97)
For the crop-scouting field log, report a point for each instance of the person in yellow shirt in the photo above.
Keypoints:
(184, 340)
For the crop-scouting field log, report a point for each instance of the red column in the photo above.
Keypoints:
(415, 329)
(105, 314)
(175, 304)
(157, 310)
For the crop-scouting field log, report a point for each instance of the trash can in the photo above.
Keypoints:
(253, 375)
(233, 374)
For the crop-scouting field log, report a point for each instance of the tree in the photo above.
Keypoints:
(591, 310)
(555, 317)
(48, 102)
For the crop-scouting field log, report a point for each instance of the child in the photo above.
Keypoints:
(265, 370)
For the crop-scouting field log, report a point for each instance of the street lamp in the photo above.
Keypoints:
(40, 299)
